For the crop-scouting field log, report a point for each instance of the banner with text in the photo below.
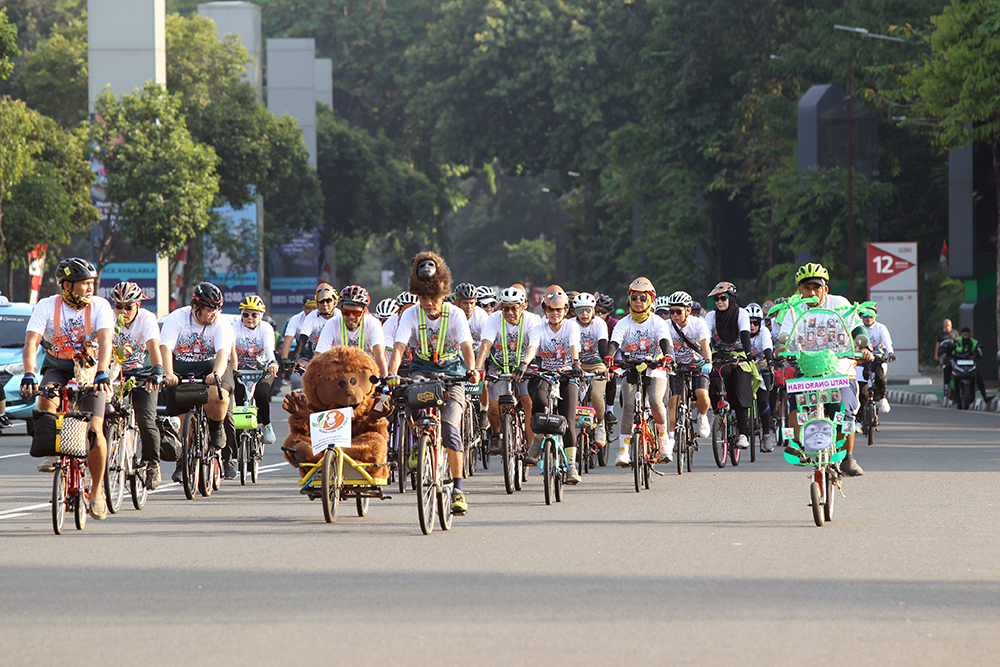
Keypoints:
(893, 286)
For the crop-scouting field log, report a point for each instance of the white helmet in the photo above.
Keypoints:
(584, 300)
(661, 303)
(406, 299)
(513, 295)
(680, 299)
(386, 308)
(755, 311)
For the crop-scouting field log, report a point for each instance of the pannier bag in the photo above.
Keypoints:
(245, 417)
(190, 395)
(544, 424)
(59, 435)
(170, 439)
(425, 395)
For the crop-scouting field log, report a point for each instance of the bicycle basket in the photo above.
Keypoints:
(544, 424)
(817, 364)
(190, 395)
(585, 417)
(245, 417)
(425, 395)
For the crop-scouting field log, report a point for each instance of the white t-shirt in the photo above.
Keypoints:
(312, 326)
(333, 334)
(554, 346)
(494, 330)
(476, 324)
(294, 324)
(408, 332)
(696, 331)
(717, 344)
(135, 336)
(193, 342)
(642, 341)
(880, 340)
(74, 336)
(761, 341)
(596, 331)
(254, 347)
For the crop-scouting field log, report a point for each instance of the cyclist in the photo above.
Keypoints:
(195, 341)
(880, 342)
(405, 301)
(294, 325)
(385, 309)
(697, 310)
(439, 336)
(690, 337)
(70, 324)
(487, 299)
(571, 295)
(312, 326)
(605, 304)
(138, 338)
(558, 349)
(763, 350)
(254, 344)
(355, 327)
(730, 328)
(661, 308)
(593, 349)
(643, 335)
(466, 296)
(514, 330)
(813, 281)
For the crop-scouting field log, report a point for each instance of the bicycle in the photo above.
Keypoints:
(249, 436)
(869, 411)
(684, 435)
(585, 422)
(513, 442)
(124, 466)
(472, 435)
(554, 465)
(202, 467)
(644, 448)
(724, 427)
(781, 371)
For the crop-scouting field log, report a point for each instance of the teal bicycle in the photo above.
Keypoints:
(553, 465)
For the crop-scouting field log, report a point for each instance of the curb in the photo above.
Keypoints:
(899, 397)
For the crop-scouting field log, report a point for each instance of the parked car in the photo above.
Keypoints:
(13, 324)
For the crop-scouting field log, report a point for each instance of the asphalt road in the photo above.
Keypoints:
(717, 567)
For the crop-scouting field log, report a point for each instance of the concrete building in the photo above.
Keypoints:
(324, 81)
(291, 85)
(241, 19)
(126, 45)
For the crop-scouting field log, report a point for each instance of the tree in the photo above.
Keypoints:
(20, 146)
(958, 85)
(52, 78)
(8, 45)
(159, 184)
(34, 19)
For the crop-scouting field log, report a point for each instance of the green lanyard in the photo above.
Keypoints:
(344, 340)
(520, 341)
(442, 334)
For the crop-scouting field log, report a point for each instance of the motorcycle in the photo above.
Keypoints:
(964, 376)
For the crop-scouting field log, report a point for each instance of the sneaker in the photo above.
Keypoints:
(98, 507)
(5, 421)
(268, 435)
(534, 451)
(178, 475)
(495, 443)
(742, 442)
(767, 445)
(412, 462)
(459, 505)
(600, 435)
(229, 469)
(609, 417)
(153, 476)
(623, 460)
(704, 429)
(883, 405)
(851, 468)
(666, 442)
(573, 476)
(48, 464)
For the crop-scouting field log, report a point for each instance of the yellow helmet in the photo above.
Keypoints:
(810, 272)
(253, 302)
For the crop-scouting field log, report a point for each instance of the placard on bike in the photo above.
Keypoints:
(330, 428)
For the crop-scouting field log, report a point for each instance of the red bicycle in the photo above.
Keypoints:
(71, 480)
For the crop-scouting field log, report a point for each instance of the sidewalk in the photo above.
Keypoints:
(926, 389)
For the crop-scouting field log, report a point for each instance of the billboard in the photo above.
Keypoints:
(892, 285)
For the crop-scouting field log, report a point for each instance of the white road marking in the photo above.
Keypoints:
(27, 508)
(10, 456)
(10, 516)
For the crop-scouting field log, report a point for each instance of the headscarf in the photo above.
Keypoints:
(727, 322)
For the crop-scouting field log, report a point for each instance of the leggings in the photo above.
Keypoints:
(739, 385)
(144, 406)
(539, 391)
(655, 390)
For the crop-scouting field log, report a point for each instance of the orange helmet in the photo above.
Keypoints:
(642, 284)
(555, 297)
(326, 291)
(723, 288)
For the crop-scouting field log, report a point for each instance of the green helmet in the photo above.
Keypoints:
(811, 271)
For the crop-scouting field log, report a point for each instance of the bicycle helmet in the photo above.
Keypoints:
(584, 300)
(486, 296)
(355, 295)
(755, 311)
(555, 298)
(406, 299)
(467, 291)
(253, 302)
(661, 303)
(812, 273)
(386, 308)
(207, 295)
(513, 295)
(326, 291)
(641, 284)
(723, 288)
(74, 269)
(696, 306)
(682, 299)
(126, 292)
(605, 301)
(572, 294)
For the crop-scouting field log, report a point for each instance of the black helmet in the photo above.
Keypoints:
(605, 301)
(207, 295)
(466, 291)
(74, 269)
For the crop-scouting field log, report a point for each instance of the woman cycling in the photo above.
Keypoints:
(255, 352)
(760, 344)
(730, 327)
(593, 349)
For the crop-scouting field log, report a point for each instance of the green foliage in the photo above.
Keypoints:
(160, 183)
(940, 297)
(34, 19)
(8, 45)
(18, 136)
(52, 78)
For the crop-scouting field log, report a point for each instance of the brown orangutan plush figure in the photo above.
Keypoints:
(339, 378)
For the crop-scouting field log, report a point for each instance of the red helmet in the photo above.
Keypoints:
(354, 295)
(207, 295)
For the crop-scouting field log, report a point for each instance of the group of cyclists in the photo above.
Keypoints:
(463, 332)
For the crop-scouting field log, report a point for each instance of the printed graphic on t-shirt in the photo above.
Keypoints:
(193, 346)
(72, 337)
(250, 352)
(135, 354)
(640, 343)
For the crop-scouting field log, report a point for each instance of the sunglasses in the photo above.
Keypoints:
(603, 311)
(354, 312)
(722, 297)
(325, 301)
(126, 306)
(676, 311)
(510, 309)
(584, 310)
(662, 312)
(250, 314)
(638, 297)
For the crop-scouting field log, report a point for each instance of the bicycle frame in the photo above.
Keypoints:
(70, 488)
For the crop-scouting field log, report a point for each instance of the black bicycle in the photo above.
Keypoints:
(684, 435)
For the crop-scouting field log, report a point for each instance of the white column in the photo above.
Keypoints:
(291, 85)
(241, 19)
(324, 81)
(126, 44)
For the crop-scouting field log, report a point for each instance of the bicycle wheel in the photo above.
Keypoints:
(734, 451)
(754, 427)
(330, 486)
(817, 503)
(425, 484)
(602, 452)
(870, 418)
(82, 504)
(59, 500)
(205, 474)
(682, 425)
(638, 457)
(190, 455)
(242, 454)
(548, 467)
(137, 489)
(444, 507)
(558, 472)
(257, 444)
(583, 451)
(692, 445)
(114, 471)
(652, 453)
(484, 449)
(216, 471)
(719, 442)
(362, 503)
(831, 494)
(466, 441)
(402, 450)
(508, 452)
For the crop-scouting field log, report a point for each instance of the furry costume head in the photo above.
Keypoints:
(339, 378)
(429, 276)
